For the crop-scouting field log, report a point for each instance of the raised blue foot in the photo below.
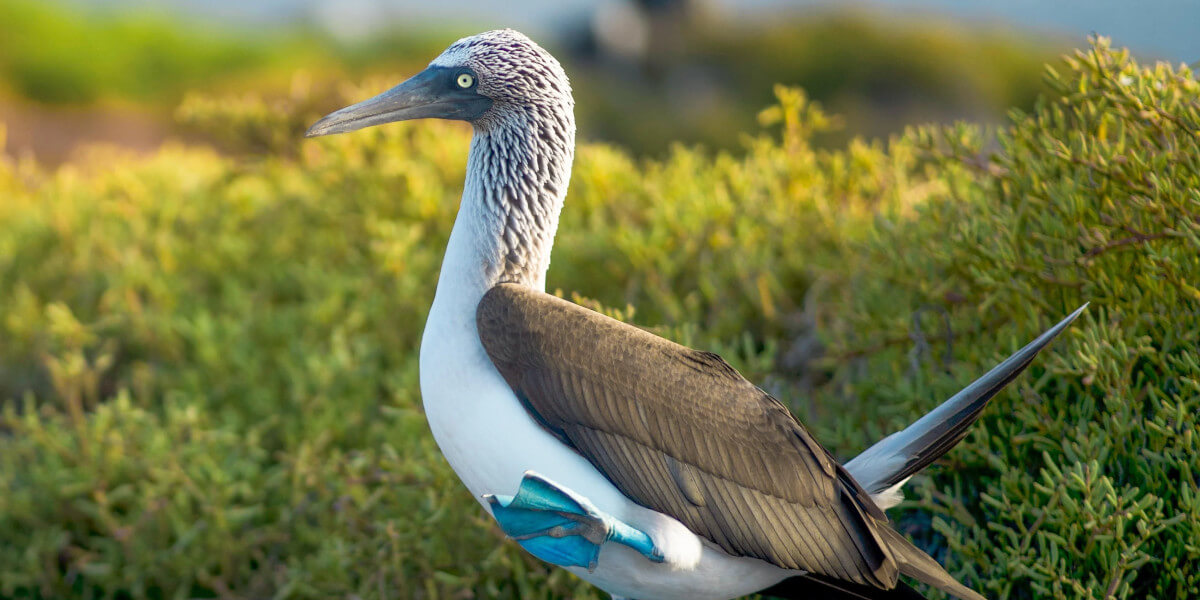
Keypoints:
(562, 527)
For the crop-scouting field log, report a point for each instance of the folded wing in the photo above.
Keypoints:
(682, 433)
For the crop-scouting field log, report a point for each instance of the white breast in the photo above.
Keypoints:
(491, 441)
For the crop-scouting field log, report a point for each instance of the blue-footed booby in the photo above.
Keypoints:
(650, 469)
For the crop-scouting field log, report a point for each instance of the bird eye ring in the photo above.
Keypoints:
(465, 80)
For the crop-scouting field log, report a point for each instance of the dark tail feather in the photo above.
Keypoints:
(818, 587)
(904, 453)
(915, 563)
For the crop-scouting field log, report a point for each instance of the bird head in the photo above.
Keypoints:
(480, 79)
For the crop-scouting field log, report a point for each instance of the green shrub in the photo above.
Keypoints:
(1085, 484)
(208, 364)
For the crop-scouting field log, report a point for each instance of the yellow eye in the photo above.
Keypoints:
(465, 80)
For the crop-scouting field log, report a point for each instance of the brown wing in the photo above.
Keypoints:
(682, 433)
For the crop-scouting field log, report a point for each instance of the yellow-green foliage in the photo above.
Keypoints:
(208, 364)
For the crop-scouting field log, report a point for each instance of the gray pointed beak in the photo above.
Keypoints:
(432, 93)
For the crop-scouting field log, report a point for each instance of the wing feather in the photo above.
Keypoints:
(682, 433)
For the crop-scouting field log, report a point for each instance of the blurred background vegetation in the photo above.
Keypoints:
(647, 74)
(209, 327)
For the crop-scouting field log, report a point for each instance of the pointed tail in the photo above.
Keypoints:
(914, 563)
(884, 467)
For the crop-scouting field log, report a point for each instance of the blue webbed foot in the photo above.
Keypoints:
(562, 527)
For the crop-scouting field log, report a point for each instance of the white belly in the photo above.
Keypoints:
(491, 441)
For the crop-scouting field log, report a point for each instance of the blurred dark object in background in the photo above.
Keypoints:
(660, 71)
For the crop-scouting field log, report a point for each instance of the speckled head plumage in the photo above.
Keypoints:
(482, 79)
(511, 69)
(518, 98)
